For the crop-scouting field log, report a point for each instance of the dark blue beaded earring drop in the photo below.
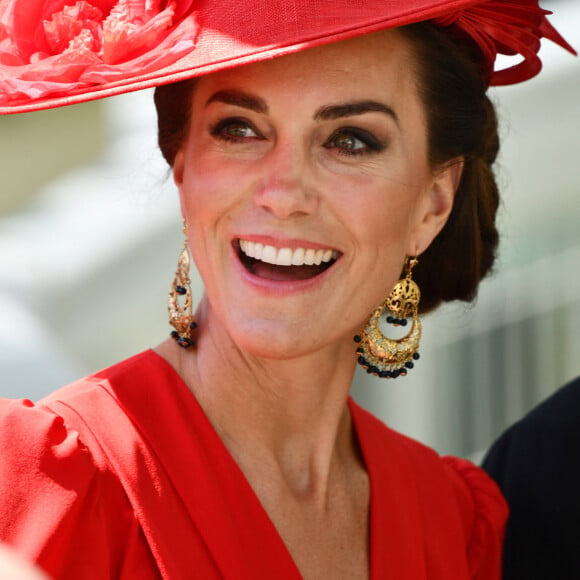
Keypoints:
(181, 315)
(389, 358)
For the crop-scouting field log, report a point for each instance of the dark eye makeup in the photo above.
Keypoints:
(354, 141)
(234, 130)
(349, 141)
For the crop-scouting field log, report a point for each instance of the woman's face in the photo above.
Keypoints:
(305, 181)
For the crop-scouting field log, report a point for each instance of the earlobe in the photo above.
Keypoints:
(438, 203)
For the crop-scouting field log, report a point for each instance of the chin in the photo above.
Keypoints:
(271, 340)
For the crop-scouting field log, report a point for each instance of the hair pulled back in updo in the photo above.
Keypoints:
(461, 124)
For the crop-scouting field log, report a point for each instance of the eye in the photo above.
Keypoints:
(234, 130)
(352, 141)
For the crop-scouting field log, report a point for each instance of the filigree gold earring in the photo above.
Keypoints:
(393, 357)
(179, 303)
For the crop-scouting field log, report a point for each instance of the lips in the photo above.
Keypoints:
(285, 263)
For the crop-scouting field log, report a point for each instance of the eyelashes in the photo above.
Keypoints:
(354, 141)
(234, 130)
(348, 141)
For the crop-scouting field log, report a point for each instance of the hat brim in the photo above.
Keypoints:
(213, 35)
(229, 37)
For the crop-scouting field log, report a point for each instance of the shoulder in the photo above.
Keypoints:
(458, 485)
(483, 510)
(61, 504)
(457, 475)
(535, 462)
(144, 367)
(31, 435)
(543, 444)
(57, 428)
(99, 403)
(52, 489)
(559, 413)
(459, 504)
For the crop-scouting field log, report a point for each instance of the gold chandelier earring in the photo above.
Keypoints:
(390, 358)
(179, 303)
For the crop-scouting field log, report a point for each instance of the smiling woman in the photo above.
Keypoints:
(321, 174)
(330, 167)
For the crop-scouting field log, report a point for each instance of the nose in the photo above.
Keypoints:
(286, 186)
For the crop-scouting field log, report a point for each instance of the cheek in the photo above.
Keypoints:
(380, 211)
(207, 190)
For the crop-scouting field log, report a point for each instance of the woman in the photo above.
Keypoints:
(307, 182)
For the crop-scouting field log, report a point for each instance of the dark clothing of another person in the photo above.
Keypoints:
(536, 462)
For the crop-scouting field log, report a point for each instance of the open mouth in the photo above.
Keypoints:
(284, 264)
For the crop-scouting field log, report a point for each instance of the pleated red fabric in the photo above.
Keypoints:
(122, 476)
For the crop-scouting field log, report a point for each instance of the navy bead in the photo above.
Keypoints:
(193, 325)
(409, 365)
(362, 361)
(180, 290)
(184, 342)
(403, 322)
(174, 334)
(416, 356)
(391, 320)
(357, 338)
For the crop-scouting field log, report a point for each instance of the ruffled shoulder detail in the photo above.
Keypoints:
(52, 492)
(44, 468)
(484, 513)
(37, 447)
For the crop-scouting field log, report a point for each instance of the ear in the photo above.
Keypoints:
(435, 206)
(178, 168)
(177, 171)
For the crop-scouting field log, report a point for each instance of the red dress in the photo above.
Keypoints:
(121, 476)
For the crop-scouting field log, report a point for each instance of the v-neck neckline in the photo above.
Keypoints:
(387, 467)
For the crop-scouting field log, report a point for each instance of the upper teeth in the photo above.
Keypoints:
(287, 256)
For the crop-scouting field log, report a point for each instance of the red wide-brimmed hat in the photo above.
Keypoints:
(61, 52)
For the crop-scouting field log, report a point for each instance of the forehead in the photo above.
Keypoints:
(378, 65)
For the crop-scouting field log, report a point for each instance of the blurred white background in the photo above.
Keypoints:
(90, 234)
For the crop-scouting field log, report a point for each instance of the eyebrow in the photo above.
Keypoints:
(326, 113)
(239, 99)
(340, 110)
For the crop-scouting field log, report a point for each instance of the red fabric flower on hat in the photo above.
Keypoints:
(507, 27)
(52, 47)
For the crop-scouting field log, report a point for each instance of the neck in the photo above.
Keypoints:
(284, 416)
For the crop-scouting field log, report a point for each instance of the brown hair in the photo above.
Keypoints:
(461, 123)
(173, 104)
